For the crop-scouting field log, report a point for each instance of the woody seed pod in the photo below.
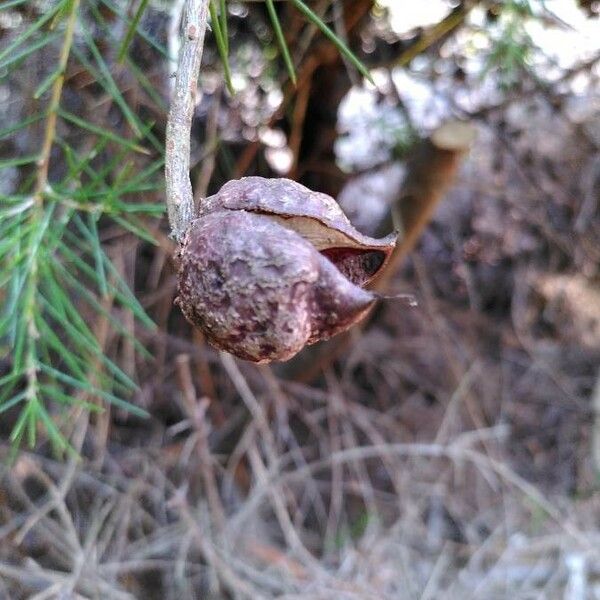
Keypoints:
(270, 266)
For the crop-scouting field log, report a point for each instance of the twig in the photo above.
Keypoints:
(38, 208)
(50, 131)
(298, 119)
(430, 173)
(226, 574)
(173, 40)
(433, 35)
(196, 412)
(210, 150)
(180, 201)
(260, 470)
(455, 452)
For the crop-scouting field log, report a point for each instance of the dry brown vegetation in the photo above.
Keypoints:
(450, 450)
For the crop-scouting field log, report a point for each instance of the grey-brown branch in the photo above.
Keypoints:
(180, 200)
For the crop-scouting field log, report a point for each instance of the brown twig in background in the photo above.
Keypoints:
(431, 171)
(180, 200)
(309, 58)
(57, 89)
(432, 35)
(210, 150)
(196, 412)
(298, 117)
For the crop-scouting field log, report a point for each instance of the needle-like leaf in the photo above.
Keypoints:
(339, 44)
(281, 40)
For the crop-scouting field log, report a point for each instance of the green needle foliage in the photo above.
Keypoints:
(218, 21)
(281, 40)
(339, 43)
(132, 29)
(511, 46)
(56, 279)
(219, 27)
(69, 176)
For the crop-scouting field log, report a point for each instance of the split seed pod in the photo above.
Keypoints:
(270, 266)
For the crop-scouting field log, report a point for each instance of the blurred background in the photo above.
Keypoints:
(445, 450)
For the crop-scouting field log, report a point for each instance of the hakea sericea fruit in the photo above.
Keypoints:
(269, 266)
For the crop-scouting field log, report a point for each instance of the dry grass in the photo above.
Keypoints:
(416, 471)
(448, 455)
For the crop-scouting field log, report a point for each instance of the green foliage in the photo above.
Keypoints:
(511, 46)
(73, 174)
(219, 26)
(132, 29)
(57, 280)
(352, 531)
(281, 40)
(339, 43)
(218, 19)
